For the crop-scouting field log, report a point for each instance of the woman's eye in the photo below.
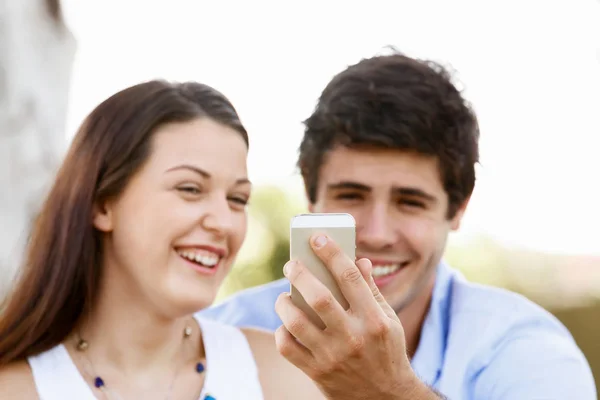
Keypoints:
(189, 189)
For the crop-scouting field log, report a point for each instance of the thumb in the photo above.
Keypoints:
(366, 268)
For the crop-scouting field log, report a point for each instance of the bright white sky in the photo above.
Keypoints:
(531, 68)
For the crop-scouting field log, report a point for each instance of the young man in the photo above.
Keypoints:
(394, 143)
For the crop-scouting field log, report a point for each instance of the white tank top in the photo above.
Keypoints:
(231, 374)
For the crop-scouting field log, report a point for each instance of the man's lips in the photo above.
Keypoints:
(384, 270)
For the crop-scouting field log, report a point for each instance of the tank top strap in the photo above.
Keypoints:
(231, 369)
(57, 378)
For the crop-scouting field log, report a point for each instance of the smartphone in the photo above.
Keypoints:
(341, 227)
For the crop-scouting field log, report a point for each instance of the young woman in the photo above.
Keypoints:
(141, 226)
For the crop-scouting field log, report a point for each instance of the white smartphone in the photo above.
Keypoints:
(341, 227)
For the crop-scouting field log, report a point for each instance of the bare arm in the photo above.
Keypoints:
(16, 382)
(278, 377)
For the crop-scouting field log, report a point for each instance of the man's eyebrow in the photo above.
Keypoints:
(414, 192)
(349, 185)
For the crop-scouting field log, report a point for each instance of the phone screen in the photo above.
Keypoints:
(339, 227)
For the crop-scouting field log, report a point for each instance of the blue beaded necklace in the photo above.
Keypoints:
(99, 384)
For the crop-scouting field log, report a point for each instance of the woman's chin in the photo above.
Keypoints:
(183, 296)
(185, 302)
(182, 307)
(198, 301)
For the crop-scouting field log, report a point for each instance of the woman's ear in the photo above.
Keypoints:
(103, 216)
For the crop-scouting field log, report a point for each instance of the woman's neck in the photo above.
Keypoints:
(127, 334)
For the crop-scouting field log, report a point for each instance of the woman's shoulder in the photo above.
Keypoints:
(278, 377)
(16, 382)
(264, 349)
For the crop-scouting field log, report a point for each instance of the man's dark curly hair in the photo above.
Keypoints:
(395, 102)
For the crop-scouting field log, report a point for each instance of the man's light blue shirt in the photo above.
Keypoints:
(477, 342)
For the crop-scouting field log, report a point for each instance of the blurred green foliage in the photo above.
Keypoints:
(266, 248)
(567, 286)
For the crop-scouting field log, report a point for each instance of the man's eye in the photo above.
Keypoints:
(348, 196)
(412, 203)
(239, 200)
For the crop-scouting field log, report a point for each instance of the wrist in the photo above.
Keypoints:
(412, 388)
(424, 392)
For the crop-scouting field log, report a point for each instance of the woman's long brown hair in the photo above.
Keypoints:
(59, 279)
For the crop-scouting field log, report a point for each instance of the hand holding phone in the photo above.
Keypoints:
(362, 346)
(341, 228)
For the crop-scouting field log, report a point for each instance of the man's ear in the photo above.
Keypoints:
(103, 216)
(458, 216)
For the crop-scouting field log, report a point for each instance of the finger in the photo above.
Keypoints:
(345, 272)
(289, 348)
(316, 294)
(365, 267)
(297, 323)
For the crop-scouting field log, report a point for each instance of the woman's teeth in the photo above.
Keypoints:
(206, 260)
(383, 270)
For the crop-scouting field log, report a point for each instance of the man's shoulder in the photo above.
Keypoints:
(252, 307)
(499, 338)
(496, 318)
(490, 304)
(270, 290)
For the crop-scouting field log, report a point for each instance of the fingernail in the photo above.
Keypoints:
(320, 241)
(287, 266)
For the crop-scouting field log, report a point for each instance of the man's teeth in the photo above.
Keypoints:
(383, 270)
(204, 259)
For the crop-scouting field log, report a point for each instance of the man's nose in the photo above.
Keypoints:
(375, 231)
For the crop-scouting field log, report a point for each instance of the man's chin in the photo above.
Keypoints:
(402, 291)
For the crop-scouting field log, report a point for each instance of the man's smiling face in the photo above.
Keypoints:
(401, 212)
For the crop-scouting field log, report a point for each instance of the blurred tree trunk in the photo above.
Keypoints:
(37, 51)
